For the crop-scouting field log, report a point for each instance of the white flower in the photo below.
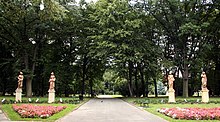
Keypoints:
(162, 110)
(3, 100)
(174, 116)
(37, 100)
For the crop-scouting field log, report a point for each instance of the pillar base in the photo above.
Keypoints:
(18, 95)
(51, 96)
(171, 95)
(205, 96)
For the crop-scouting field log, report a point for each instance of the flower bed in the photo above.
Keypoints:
(34, 111)
(192, 113)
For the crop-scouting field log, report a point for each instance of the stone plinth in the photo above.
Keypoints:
(171, 95)
(205, 96)
(51, 96)
(18, 95)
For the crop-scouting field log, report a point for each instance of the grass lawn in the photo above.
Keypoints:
(153, 107)
(14, 116)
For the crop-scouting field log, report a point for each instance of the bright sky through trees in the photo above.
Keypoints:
(87, 0)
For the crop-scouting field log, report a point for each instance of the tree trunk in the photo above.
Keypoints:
(147, 87)
(4, 87)
(83, 82)
(130, 68)
(30, 71)
(217, 78)
(155, 86)
(83, 75)
(185, 70)
(136, 83)
(42, 88)
(29, 86)
(142, 82)
(185, 80)
(66, 92)
(28, 79)
(3, 93)
(91, 90)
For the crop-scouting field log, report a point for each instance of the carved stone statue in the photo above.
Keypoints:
(18, 95)
(51, 96)
(52, 81)
(170, 81)
(171, 94)
(20, 80)
(204, 81)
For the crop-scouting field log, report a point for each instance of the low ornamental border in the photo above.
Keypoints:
(64, 101)
(184, 101)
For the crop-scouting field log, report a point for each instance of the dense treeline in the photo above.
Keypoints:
(110, 46)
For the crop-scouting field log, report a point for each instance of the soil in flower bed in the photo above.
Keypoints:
(36, 111)
(192, 113)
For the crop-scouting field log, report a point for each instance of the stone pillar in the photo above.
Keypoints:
(171, 95)
(171, 91)
(51, 96)
(205, 91)
(18, 95)
(205, 96)
(19, 88)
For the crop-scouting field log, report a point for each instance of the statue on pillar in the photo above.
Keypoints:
(20, 80)
(170, 81)
(171, 94)
(52, 81)
(204, 81)
(205, 91)
(51, 96)
(18, 95)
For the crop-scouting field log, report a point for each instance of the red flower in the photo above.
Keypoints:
(33, 111)
(192, 113)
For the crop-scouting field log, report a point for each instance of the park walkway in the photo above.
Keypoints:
(109, 110)
(3, 118)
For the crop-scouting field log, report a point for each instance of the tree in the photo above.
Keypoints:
(184, 25)
(24, 30)
(121, 35)
(7, 70)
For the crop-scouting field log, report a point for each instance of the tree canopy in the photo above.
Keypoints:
(109, 46)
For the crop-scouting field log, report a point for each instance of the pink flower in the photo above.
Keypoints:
(33, 111)
(192, 113)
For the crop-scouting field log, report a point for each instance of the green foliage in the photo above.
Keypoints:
(82, 42)
(185, 25)
(161, 88)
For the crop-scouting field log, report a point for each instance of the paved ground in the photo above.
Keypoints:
(109, 110)
(3, 118)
